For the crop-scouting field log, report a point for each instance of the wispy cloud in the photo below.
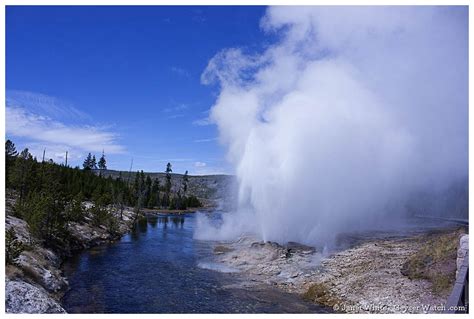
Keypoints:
(43, 122)
(202, 121)
(180, 71)
(44, 104)
(205, 120)
(177, 108)
(176, 111)
(205, 140)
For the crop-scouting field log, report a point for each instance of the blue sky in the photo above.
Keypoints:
(122, 79)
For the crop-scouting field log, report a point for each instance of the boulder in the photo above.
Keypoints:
(462, 251)
(41, 270)
(22, 297)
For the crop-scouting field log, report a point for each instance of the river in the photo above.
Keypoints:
(158, 268)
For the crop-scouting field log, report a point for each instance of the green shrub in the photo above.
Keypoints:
(99, 214)
(13, 247)
(75, 210)
(193, 201)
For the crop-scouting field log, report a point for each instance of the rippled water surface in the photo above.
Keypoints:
(160, 268)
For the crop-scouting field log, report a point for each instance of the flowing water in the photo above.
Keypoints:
(160, 268)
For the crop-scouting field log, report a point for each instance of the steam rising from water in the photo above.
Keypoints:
(335, 125)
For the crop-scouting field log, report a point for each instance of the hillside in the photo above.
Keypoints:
(212, 189)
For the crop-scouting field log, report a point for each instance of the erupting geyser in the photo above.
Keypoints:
(336, 124)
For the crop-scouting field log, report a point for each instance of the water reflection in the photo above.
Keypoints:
(163, 221)
(142, 225)
(178, 221)
(153, 222)
(154, 269)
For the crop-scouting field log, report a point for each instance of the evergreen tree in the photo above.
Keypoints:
(185, 183)
(168, 172)
(87, 165)
(75, 209)
(168, 177)
(102, 162)
(44, 214)
(119, 194)
(49, 196)
(193, 201)
(22, 173)
(155, 194)
(10, 154)
(93, 163)
(168, 181)
(10, 150)
(147, 196)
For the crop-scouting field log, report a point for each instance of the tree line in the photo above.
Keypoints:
(50, 195)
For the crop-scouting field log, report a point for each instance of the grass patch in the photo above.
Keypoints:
(435, 261)
(31, 273)
(320, 293)
(13, 272)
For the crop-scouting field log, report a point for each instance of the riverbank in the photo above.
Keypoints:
(177, 211)
(413, 274)
(35, 283)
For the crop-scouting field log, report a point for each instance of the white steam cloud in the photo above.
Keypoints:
(336, 124)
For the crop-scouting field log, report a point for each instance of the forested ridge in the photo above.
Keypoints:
(48, 195)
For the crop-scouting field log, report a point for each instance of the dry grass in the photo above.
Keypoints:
(13, 272)
(29, 272)
(435, 261)
(319, 293)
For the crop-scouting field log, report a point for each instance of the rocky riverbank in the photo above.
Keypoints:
(35, 283)
(412, 274)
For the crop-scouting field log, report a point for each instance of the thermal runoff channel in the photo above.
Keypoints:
(340, 122)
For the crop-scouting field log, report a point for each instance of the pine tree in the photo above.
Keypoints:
(185, 183)
(87, 162)
(168, 172)
(21, 175)
(148, 183)
(74, 209)
(93, 163)
(155, 194)
(10, 150)
(102, 162)
(51, 195)
(10, 154)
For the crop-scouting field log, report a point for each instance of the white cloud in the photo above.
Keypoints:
(199, 164)
(39, 124)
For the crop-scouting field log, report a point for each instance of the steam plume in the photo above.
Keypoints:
(333, 126)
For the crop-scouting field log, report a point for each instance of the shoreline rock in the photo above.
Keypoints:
(36, 283)
(22, 297)
(462, 251)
